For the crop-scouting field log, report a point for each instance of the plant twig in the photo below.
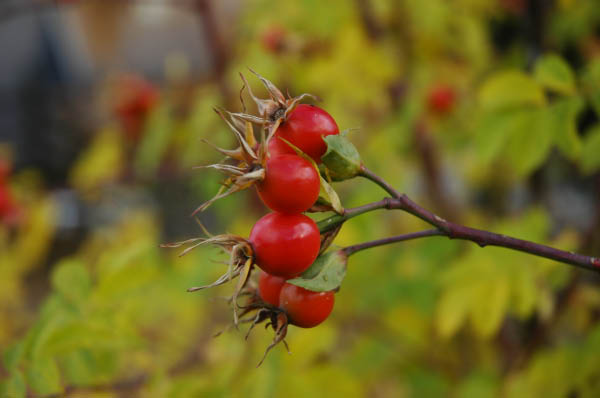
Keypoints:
(350, 250)
(480, 237)
(332, 222)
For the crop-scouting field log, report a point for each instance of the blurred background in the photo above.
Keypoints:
(485, 111)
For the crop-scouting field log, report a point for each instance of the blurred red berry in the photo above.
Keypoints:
(136, 98)
(273, 39)
(441, 99)
(9, 210)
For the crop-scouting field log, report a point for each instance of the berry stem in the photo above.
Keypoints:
(332, 222)
(350, 250)
(480, 237)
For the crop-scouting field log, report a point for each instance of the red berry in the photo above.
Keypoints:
(269, 287)
(9, 209)
(291, 184)
(273, 39)
(134, 101)
(5, 170)
(305, 308)
(304, 127)
(285, 244)
(441, 99)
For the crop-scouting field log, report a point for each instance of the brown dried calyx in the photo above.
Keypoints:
(256, 311)
(249, 159)
(240, 264)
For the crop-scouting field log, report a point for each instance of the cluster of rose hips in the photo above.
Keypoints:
(284, 166)
(286, 242)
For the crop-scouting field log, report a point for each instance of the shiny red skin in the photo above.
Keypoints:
(269, 287)
(291, 184)
(304, 127)
(305, 308)
(285, 244)
(441, 99)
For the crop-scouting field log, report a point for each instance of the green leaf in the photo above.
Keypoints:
(157, 130)
(552, 72)
(79, 334)
(520, 134)
(43, 376)
(530, 141)
(591, 84)
(510, 89)
(561, 119)
(489, 306)
(479, 384)
(13, 355)
(525, 292)
(452, 310)
(590, 156)
(493, 131)
(14, 387)
(325, 274)
(341, 159)
(79, 368)
(72, 280)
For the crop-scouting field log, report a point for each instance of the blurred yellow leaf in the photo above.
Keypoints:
(101, 163)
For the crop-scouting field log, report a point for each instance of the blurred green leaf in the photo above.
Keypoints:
(79, 368)
(155, 141)
(13, 355)
(43, 376)
(80, 334)
(552, 72)
(479, 384)
(510, 89)
(493, 131)
(489, 306)
(14, 386)
(453, 309)
(591, 84)
(561, 118)
(530, 141)
(71, 279)
(590, 157)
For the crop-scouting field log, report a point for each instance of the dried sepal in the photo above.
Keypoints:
(279, 323)
(275, 109)
(230, 153)
(243, 273)
(233, 184)
(250, 166)
(239, 130)
(255, 311)
(328, 237)
(241, 257)
(261, 315)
